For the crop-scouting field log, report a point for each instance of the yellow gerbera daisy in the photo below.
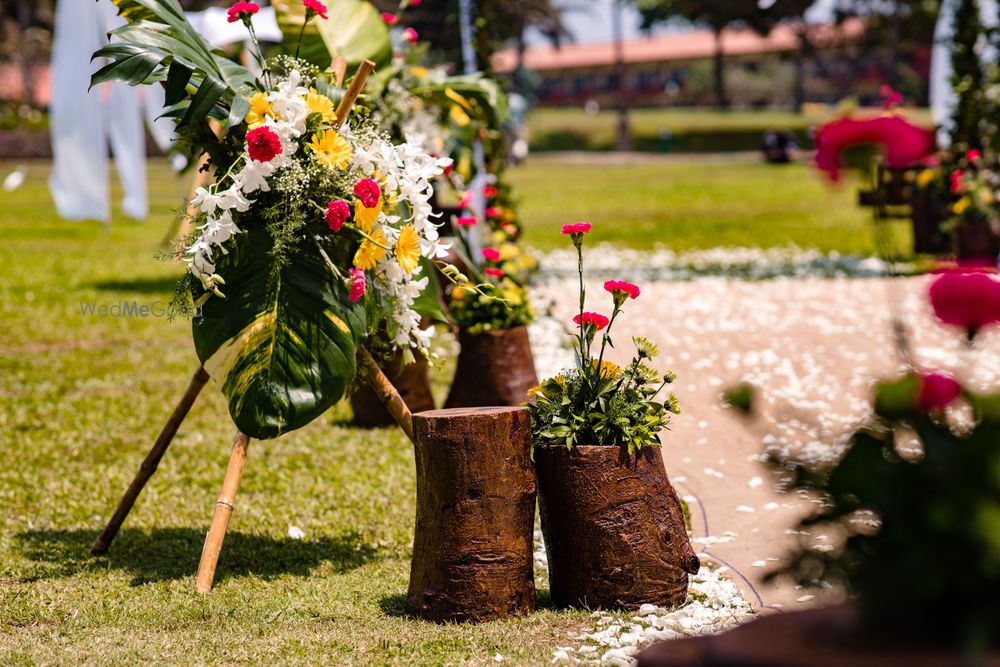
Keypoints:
(408, 249)
(608, 369)
(322, 105)
(260, 108)
(371, 251)
(365, 217)
(330, 149)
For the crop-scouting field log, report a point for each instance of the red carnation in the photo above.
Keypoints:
(263, 144)
(494, 212)
(937, 390)
(490, 191)
(368, 192)
(493, 271)
(466, 221)
(491, 254)
(973, 155)
(622, 289)
(410, 36)
(968, 300)
(956, 180)
(466, 200)
(242, 11)
(314, 7)
(596, 319)
(337, 213)
(358, 285)
(389, 19)
(577, 228)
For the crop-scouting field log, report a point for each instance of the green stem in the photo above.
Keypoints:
(579, 268)
(604, 342)
(259, 54)
(302, 31)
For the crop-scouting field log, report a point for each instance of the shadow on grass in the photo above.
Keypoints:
(395, 605)
(161, 285)
(172, 553)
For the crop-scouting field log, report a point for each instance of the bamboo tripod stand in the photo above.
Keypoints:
(226, 502)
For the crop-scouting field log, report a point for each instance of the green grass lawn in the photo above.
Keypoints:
(692, 129)
(83, 398)
(696, 204)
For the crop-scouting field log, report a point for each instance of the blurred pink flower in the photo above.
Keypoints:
(937, 390)
(904, 143)
(967, 299)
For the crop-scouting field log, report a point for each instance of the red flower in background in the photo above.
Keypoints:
(466, 221)
(314, 7)
(410, 36)
(955, 180)
(937, 390)
(241, 11)
(493, 271)
(368, 192)
(973, 155)
(905, 144)
(494, 212)
(577, 228)
(490, 191)
(623, 287)
(358, 285)
(389, 19)
(337, 213)
(491, 254)
(970, 300)
(263, 144)
(890, 97)
(596, 319)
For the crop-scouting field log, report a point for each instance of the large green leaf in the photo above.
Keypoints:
(354, 30)
(283, 350)
(157, 40)
(491, 101)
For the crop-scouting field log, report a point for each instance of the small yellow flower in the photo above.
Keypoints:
(322, 105)
(408, 249)
(509, 251)
(418, 71)
(260, 108)
(371, 251)
(925, 177)
(986, 196)
(331, 150)
(459, 293)
(958, 208)
(535, 391)
(365, 217)
(458, 116)
(608, 369)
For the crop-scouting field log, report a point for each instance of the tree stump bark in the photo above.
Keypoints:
(613, 526)
(472, 548)
(494, 368)
(929, 210)
(413, 383)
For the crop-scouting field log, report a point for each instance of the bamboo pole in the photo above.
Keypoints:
(223, 511)
(387, 393)
(351, 95)
(150, 463)
(339, 68)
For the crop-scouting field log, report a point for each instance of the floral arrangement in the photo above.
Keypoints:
(917, 495)
(317, 232)
(968, 181)
(599, 403)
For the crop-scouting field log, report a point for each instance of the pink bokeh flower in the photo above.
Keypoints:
(466, 221)
(410, 36)
(489, 191)
(358, 285)
(491, 254)
(494, 212)
(937, 390)
(955, 180)
(314, 7)
(966, 299)
(577, 228)
(493, 271)
(389, 19)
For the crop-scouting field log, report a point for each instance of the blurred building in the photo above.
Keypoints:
(676, 68)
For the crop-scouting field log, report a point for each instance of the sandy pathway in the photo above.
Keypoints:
(814, 346)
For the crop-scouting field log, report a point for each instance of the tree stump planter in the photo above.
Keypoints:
(928, 211)
(473, 542)
(613, 527)
(413, 384)
(494, 368)
(826, 637)
(977, 241)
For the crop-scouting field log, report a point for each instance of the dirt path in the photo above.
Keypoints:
(813, 346)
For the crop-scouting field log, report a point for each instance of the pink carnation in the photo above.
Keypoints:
(466, 221)
(577, 228)
(973, 155)
(490, 191)
(357, 285)
(491, 254)
(621, 286)
(410, 36)
(389, 19)
(263, 144)
(368, 192)
(493, 271)
(955, 180)
(970, 300)
(599, 321)
(494, 212)
(316, 7)
(337, 213)
(937, 390)
(240, 11)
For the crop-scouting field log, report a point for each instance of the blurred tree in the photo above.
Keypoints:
(967, 77)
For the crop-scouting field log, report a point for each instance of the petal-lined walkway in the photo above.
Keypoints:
(813, 346)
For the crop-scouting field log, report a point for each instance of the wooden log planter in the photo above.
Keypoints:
(413, 384)
(472, 548)
(978, 241)
(494, 368)
(613, 527)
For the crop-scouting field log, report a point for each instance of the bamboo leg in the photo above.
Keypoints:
(223, 511)
(351, 95)
(393, 402)
(150, 463)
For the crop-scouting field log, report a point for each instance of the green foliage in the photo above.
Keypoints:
(491, 307)
(967, 77)
(353, 30)
(918, 498)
